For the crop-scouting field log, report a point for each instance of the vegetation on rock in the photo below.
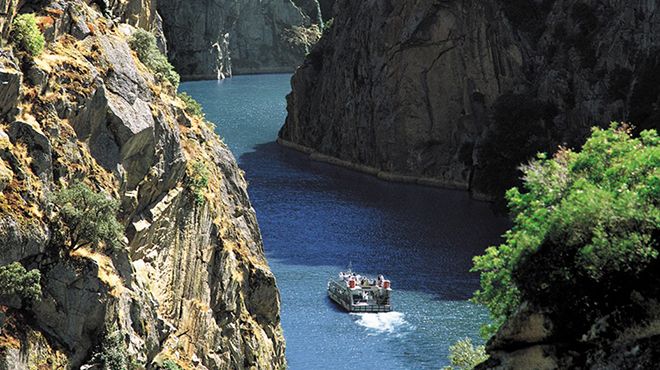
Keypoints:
(170, 365)
(192, 106)
(114, 354)
(16, 280)
(198, 180)
(595, 210)
(463, 355)
(303, 36)
(26, 35)
(89, 217)
(144, 45)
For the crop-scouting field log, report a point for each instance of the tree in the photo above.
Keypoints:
(594, 214)
(89, 217)
(15, 280)
(25, 34)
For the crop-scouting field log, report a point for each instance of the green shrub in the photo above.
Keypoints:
(89, 217)
(170, 365)
(198, 180)
(15, 280)
(192, 106)
(144, 45)
(594, 212)
(26, 36)
(463, 355)
(114, 354)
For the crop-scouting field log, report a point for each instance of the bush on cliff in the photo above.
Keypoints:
(16, 280)
(144, 45)
(198, 180)
(586, 223)
(26, 36)
(88, 217)
(192, 106)
(463, 355)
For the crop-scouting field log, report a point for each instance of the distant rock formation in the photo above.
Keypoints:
(210, 39)
(192, 285)
(459, 93)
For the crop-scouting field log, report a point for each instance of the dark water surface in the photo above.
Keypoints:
(315, 218)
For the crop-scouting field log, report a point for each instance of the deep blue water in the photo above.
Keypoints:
(315, 218)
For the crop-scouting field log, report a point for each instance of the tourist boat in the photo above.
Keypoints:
(356, 293)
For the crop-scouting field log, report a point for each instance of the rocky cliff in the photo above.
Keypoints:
(212, 39)
(612, 325)
(190, 284)
(459, 93)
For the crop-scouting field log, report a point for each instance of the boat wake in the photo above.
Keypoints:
(384, 322)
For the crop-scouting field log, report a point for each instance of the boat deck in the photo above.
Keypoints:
(348, 298)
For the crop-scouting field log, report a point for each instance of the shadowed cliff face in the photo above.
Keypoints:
(212, 39)
(192, 284)
(459, 93)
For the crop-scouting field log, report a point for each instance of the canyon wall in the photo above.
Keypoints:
(190, 283)
(459, 93)
(212, 39)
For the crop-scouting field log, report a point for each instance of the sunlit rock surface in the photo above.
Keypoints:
(192, 284)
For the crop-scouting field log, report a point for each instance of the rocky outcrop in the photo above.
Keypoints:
(579, 323)
(459, 93)
(212, 39)
(10, 83)
(191, 283)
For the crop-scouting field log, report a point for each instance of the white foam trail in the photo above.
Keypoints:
(384, 322)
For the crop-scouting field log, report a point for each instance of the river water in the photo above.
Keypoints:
(315, 218)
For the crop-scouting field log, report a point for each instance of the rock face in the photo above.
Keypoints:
(579, 323)
(192, 284)
(459, 93)
(211, 39)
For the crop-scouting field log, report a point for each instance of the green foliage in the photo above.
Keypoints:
(198, 180)
(114, 354)
(89, 217)
(463, 355)
(26, 36)
(144, 45)
(596, 209)
(327, 25)
(15, 280)
(192, 106)
(170, 365)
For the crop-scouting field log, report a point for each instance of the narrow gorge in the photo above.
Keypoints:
(464, 94)
(382, 142)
